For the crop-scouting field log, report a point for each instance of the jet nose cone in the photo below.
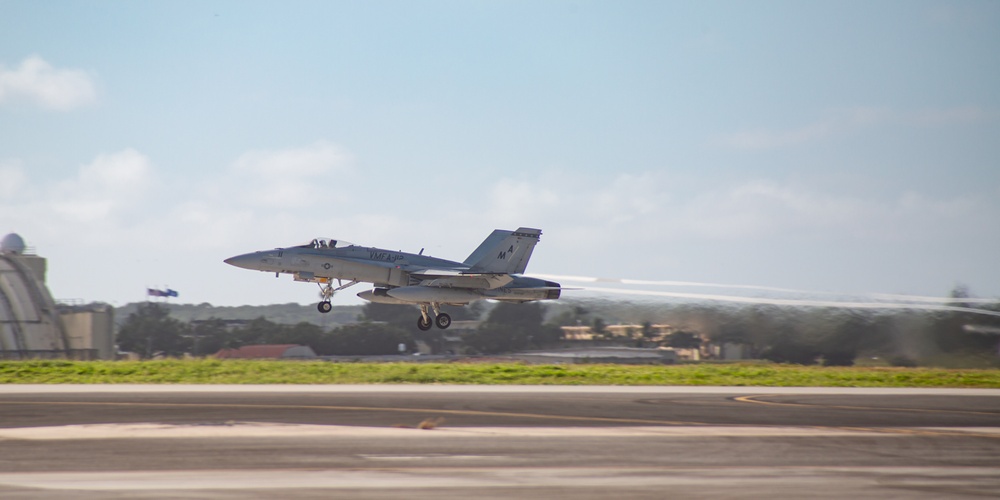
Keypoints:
(245, 261)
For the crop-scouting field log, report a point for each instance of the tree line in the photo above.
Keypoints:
(150, 331)
(827, 336)
(780, 334)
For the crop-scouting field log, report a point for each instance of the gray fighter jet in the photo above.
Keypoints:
(492, 271)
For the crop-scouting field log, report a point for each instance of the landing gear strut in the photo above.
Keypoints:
(326, 293)
(442, 320)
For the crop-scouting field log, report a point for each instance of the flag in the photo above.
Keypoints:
(152, 292)
(170, 293)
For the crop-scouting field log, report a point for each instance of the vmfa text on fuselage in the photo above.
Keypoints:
(492, 271)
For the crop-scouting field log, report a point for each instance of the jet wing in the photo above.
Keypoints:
(456, 277)
(453, 279)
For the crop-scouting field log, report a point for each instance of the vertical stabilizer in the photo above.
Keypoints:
(504, 251)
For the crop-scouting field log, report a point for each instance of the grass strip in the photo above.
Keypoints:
(210, 371)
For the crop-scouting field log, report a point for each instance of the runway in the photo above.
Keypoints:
(496, 442)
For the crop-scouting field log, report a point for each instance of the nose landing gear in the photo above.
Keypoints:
(326, 293)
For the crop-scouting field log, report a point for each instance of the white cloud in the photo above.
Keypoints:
(12, 179)
(126, 171)
(269, 197)
(109, 186)
(319, 158)
(284, 196)
(629, 197)
(521, 202)
(763, 208)
(846, 121)
(834, 123)
(37, 80)
(123, 209)
(558, 197)
(761, 232)
(120, 223)
(652, 208)
(290, 178)
(772, 139)
(766, 209)
(946, 116)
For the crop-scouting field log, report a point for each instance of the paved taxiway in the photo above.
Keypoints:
(496, 442)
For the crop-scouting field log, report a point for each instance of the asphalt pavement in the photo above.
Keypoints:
(496, 442)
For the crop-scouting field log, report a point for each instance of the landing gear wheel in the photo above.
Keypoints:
(423, 324)
(443, 321)
(324, 307)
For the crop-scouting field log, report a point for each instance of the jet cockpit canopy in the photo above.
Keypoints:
(326, 243)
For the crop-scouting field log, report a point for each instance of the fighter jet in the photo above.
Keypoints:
(492, 271)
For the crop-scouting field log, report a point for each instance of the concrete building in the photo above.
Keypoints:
(90, 330)
(33, 325)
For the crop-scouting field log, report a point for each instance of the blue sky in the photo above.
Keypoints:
(830, 146)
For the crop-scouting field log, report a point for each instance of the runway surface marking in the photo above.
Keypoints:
(429, 411)
(756, 399)
(273, 430)
(261, 429)
(980, 480)
(987, 432)
(981, 432)
(477, 389)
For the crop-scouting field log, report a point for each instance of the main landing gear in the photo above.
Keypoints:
(326, 293)
(442, 320)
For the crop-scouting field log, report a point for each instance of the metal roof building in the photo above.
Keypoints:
(30, 326)
(270, 351)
